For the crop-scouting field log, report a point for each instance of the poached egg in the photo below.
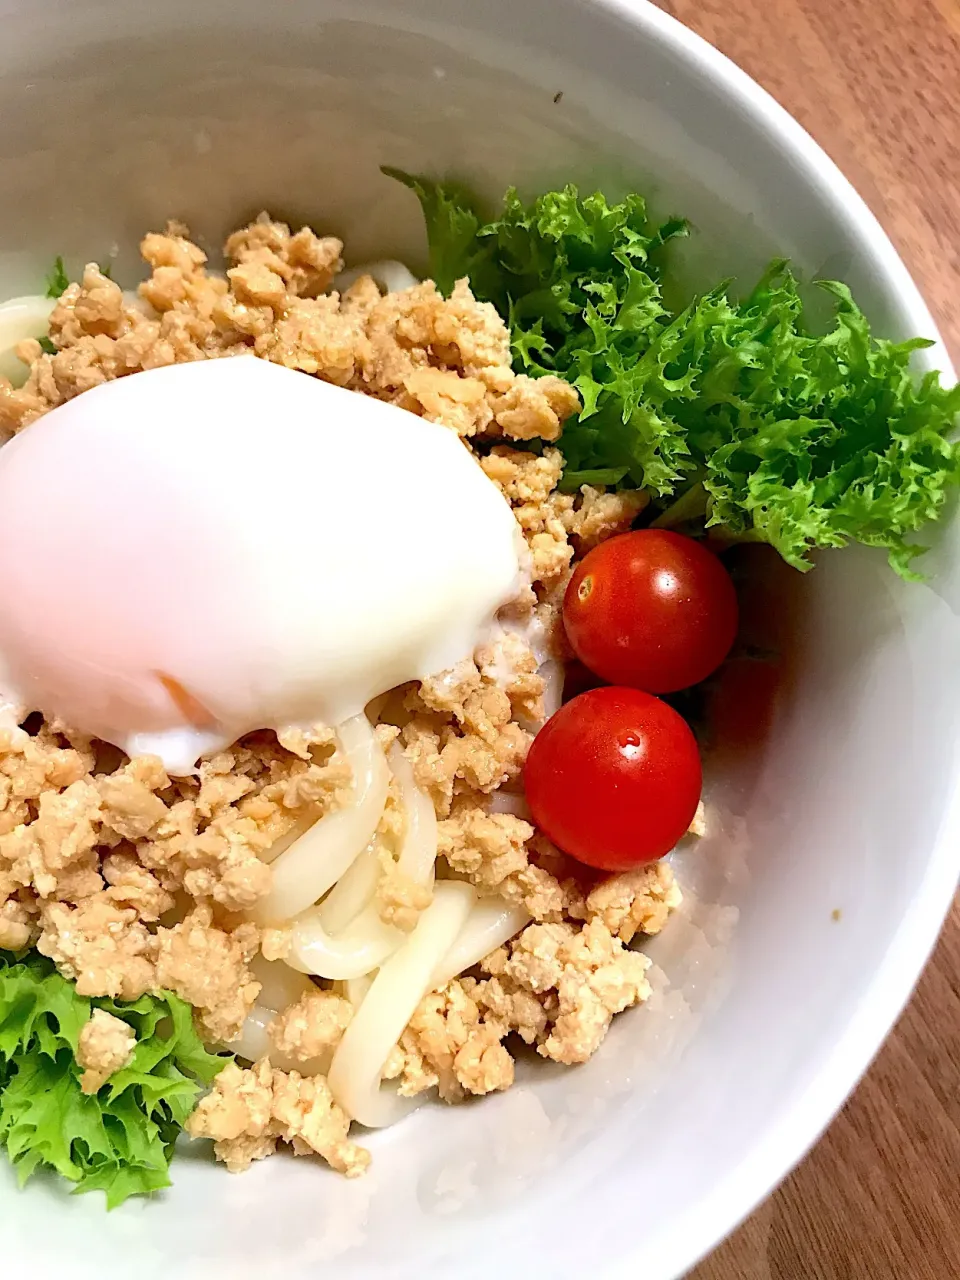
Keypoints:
(194, 552)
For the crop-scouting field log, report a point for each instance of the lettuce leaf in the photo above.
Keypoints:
(121, 1139)
(732, 413)
(57, 279)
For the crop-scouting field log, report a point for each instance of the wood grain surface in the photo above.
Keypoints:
(877, 83)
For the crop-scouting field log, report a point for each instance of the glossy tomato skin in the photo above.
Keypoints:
(651, 609)
(613, 778)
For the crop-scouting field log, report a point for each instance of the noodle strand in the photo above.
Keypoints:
(491, 923)
(319, 858)
(352, 891)
(398, 988)
(363, 945)
(280, 985)
(356, 989)
(390, 275)
(418, 853)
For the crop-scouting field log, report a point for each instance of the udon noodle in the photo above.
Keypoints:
(315, 862)
(352, 892)
(325, 889)
(362, 946)
(388, 1006)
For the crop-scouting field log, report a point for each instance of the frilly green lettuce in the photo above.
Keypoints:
(733, 414)
(119, 1140)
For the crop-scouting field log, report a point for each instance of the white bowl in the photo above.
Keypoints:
(119, 115)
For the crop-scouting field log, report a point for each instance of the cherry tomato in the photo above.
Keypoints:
(613, 778)
(651, 609)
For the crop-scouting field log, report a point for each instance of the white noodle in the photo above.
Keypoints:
(254, 1043)
(363, 945)
(21, 318)
(280, 985)
(319, 858)
(398, 988)
(491, 923)
(418, 853)
(357, 988)
(352, 892)
(509, 802)
(390, 275)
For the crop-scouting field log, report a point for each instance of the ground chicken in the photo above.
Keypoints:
(311, 1027)
(449, 761)
(275, 942)
(91, 863)
(698, 827)
(592, 975)
(634, 901)
(18, 924)
(207, 967)
(108, 951)
(487, 848)
(513, 1007)
(445, 358)
(130, 884)
(247, 1112)
(598, 515)
(210, 840)
(555, 985)
(400, 898)
(32, 764)
(551, 519)
(105, 1046)
(447, 692)
(104, 948)
(493, 851)
(132, 807)
(486, 694)
(511, 665)
(56, 852)
(58, 820)
(529, 483)
(67, 833)
(451, 1046)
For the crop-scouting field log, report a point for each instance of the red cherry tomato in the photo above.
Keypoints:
(651, 609)
(613, 779)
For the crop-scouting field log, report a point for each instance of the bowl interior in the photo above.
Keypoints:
(818, 890)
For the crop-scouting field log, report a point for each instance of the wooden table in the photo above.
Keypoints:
(877, 83)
